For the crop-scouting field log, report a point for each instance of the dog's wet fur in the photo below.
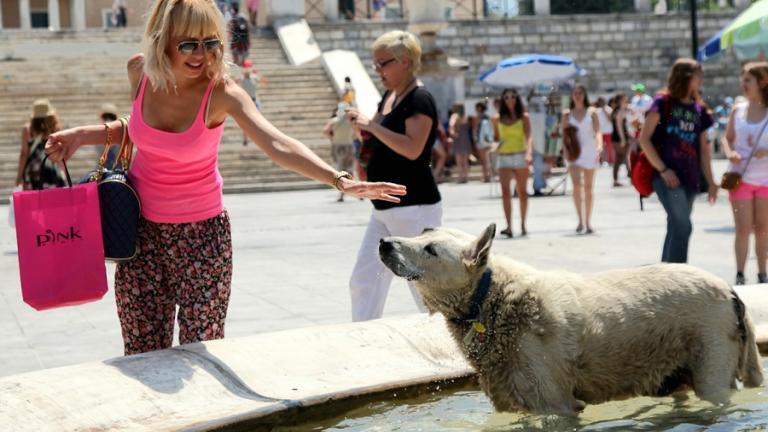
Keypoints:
(555, 341)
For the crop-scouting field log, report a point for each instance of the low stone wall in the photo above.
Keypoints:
(253, 382)
(617, 50)
(256, 382)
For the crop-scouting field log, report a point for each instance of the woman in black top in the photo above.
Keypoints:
(620, 135)
(401, 136)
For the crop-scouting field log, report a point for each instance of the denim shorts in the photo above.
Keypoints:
(511, 160)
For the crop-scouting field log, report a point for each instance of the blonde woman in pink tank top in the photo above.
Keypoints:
(181, 97)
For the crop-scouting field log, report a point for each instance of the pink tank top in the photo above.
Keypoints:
(176, 174)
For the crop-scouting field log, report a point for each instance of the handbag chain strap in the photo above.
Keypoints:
(757, 143)
(126, 147)
(124, 155)
(99, 172)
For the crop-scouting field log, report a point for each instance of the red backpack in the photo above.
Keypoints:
(641, 169)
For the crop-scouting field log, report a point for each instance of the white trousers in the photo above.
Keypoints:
(370, 279)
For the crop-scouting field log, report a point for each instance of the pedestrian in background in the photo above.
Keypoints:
(582, 170)
(604, 111)
(460, 129)
(339, 131)
(620, 136)
(676, 125)
(34, 172)
(746, 147)
(515, 153)
(240, 35)
(253, 13)
(639, 105)
(537, 113)
(347, 9)
(119, 13)
(440, 154)
(348, 95)
(379, 9)
(251, 81)
(483, 139)
(401, 135)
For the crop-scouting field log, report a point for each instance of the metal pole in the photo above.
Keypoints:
(474, 9)
(368, 8)
(694, 30)
(402, 11)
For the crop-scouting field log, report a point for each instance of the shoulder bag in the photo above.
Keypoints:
(118, 201)
(731, 179)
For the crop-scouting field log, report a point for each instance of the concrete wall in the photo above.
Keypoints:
(616, 49)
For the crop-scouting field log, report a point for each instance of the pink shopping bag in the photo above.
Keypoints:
(61, 252)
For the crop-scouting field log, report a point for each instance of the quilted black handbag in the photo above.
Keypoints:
(119, 203)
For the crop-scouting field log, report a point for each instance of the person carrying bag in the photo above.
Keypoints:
(732, 179)
(674, 141)
(571, 143)
(745, 144)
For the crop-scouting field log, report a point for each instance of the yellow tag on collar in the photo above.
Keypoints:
(478, 327)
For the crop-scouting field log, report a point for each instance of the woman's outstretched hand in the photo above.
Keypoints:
(62, 145)
(377, 191)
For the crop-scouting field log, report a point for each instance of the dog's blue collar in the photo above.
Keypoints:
(478, 298)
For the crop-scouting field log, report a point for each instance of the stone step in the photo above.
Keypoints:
(273, 181)
(297, 100)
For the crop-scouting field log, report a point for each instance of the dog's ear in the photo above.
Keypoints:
(476, 255)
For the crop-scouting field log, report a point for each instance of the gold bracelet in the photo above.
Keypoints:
(337, 179)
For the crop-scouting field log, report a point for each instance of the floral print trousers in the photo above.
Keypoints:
(188, 265)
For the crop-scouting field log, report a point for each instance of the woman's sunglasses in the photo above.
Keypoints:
(380, 65)
(510, 96)
(190, 46)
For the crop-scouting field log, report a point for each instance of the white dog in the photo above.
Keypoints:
(550, 342)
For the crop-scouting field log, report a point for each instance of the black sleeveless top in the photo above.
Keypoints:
(615, 137)
(388, 166)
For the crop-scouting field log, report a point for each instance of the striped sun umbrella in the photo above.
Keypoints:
(747, 34)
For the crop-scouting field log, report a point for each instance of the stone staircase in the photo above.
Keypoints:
(80, 71)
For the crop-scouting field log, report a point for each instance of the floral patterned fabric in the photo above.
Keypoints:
(185, 264)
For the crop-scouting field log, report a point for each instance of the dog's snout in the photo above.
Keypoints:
(385, 246)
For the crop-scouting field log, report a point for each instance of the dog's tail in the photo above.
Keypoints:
(750, 370)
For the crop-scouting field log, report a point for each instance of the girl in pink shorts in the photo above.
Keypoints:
(746, 146)
(748, 192)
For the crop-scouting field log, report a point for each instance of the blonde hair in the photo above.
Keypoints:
(170, 19)
(401, 44)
